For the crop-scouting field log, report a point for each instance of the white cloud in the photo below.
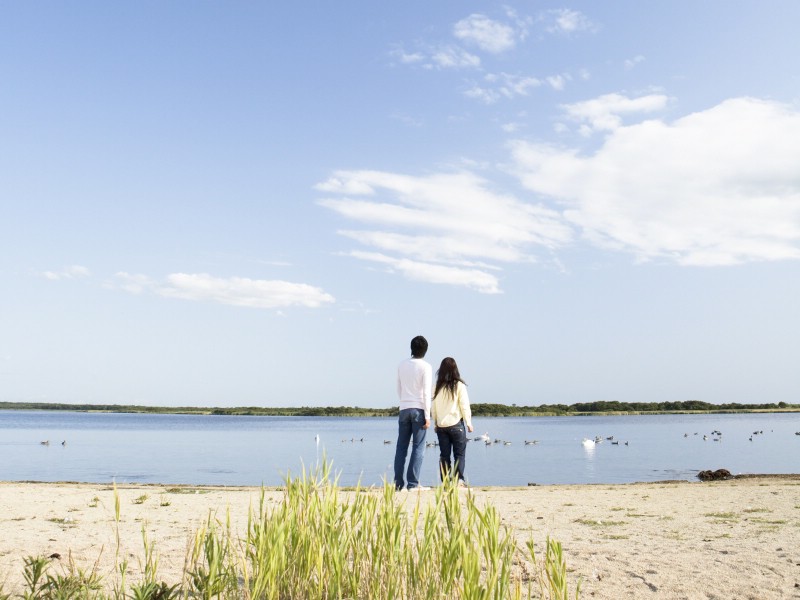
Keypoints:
(717, 187)
(445, 220)
(71, 272)
(558, 82)
(475, 279)
(408, 58)
(484, 94)
(490, 36)
(503, 85)
(453, 57)
(499, 86)
(437, 57)
(134, 284)
(606, 112)
(234, 291)
(566, 21)
(630, 63)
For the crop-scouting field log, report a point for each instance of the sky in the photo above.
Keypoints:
(261, 203)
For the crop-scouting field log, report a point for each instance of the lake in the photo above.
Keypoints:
(230, 450)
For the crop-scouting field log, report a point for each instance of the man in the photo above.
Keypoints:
(414, 381)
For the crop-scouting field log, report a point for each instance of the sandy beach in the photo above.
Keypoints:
(719, 540)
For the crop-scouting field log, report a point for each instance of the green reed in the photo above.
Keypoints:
(318, 542)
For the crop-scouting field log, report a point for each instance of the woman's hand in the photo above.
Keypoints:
(470, 429)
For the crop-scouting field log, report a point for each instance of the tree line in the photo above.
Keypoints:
(478, 409)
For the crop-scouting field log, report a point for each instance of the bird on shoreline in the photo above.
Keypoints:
(45, 443)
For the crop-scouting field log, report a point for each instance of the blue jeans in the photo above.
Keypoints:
(410, 427)
(452, 438)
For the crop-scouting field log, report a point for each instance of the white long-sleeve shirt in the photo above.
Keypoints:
(414, 381)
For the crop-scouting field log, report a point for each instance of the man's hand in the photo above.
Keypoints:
(470, 428)
(427, 424)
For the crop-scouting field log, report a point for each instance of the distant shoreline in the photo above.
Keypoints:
(478, 410)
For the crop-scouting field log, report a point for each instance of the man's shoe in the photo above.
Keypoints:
(420, 488)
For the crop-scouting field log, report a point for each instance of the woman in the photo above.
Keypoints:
(451, 414)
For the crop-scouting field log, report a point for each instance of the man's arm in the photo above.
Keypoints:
(427, 382)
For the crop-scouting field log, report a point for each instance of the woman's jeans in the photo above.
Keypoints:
(410, 427)
(452, 439)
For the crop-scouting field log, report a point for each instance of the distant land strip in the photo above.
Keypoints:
(478, 410)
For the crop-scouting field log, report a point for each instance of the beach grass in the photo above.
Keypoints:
(320, 542)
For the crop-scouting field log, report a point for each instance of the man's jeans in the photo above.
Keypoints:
(410, 430)
(452, 438)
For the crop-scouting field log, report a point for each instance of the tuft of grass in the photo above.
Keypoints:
(768, 521)
(756, 510)
(599, 522)
(164, 502)
(67, 522)
(94, 502)
(141, 499)
(74, 582)
(723, 516)
(184, 490)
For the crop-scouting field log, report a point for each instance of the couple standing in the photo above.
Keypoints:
(447, 404)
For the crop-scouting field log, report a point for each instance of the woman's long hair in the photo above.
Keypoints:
(447, 377)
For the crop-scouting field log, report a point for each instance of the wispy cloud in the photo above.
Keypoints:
(473, 35)
(233, 291)
(630, 63)
(453, 57)
(605, 113)
(447, 228)
(502, 85)
(488, 35)
(442, 56)
(475, 279)
(566, 21)
(506, 86)
(716, 187)
(71, 272)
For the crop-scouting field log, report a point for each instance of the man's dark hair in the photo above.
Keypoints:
(419, 346)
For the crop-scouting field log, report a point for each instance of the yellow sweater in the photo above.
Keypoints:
(448, 409)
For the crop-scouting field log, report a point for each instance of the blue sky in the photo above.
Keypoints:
(251, 203)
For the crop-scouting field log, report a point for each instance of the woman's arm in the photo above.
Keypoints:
(463, 404)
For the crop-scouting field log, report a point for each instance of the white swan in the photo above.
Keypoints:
(588, 443)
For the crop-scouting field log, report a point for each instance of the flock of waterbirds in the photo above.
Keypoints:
(716, 436)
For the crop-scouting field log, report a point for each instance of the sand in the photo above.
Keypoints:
(731, 539)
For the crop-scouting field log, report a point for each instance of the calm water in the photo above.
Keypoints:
(131, 448)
